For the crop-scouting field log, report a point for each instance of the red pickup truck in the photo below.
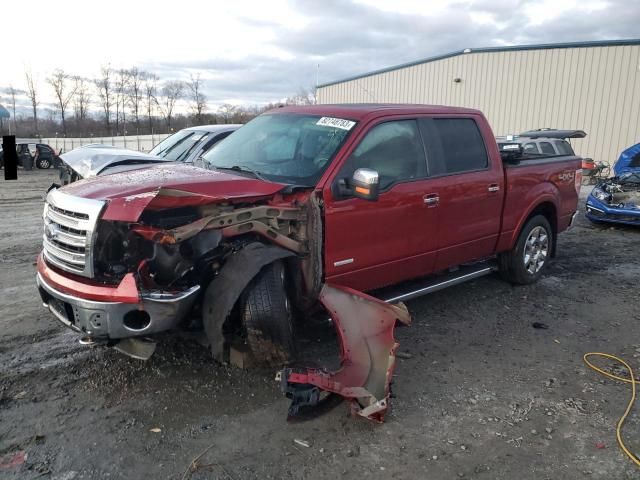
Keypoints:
(302, 202)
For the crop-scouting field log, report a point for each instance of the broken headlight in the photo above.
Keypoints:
(601, 195)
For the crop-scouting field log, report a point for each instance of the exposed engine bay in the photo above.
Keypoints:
(621, 192)
(173, 248)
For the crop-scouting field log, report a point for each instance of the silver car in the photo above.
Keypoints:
(185, 146)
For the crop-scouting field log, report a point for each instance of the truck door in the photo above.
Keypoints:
(468, 187)
(370, 244)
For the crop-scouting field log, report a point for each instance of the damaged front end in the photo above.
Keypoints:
(138, 265)
(365, 329)
(616, 200)
(119, 269)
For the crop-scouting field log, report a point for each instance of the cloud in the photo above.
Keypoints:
(265, 51)
(347, 38)
(7, 91)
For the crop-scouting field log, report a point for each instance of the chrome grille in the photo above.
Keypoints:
(69, 229)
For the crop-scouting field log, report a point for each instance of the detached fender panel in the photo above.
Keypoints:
(365, 329)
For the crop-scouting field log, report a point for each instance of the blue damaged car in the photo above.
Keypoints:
(617, 199)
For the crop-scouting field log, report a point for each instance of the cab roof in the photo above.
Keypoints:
(358, 111)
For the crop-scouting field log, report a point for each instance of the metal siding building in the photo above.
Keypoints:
(592, 86)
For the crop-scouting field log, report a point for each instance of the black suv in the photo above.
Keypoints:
(40, 154)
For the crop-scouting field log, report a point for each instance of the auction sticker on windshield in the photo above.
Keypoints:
(336, 123)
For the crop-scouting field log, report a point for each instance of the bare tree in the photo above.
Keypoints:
(105, 93)
(122, 96)
(304, 97)
(171, 93)
(60, 82)
(81, 101)
(227, 111)
(135, 93)
(32, 93)
(12, 93)
(197, 96)
(150, 91)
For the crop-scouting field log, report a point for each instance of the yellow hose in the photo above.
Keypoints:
(632, 380)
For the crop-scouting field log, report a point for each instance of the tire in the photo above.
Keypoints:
(43, 163)
(267, 317)
(525, 263)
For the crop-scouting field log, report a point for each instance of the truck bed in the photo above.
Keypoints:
(529, 180)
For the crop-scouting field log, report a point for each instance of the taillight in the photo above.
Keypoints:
(578, 180)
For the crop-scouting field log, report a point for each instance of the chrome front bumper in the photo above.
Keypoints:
(155, 312)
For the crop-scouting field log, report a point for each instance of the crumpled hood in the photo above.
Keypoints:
(168, 186)
(629, 161)
(92, 160)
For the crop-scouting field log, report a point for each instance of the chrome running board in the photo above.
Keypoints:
(417, 288)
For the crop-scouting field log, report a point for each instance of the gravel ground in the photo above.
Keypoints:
(481, 393)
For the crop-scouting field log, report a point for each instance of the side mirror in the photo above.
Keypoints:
(365, 182)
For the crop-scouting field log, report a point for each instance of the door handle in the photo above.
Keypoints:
(431, 199)
(494, 187)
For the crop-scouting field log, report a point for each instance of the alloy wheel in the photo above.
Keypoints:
(536, 250)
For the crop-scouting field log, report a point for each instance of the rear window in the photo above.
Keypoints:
(463, 149)
(564, 148)
(547, 148)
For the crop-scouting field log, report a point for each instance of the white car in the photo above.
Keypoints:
(185, 146)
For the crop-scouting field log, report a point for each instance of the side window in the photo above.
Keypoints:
(218, 138)
(530, 148)
(547, 148)
(462, 147)
(213, 140)
(635, 160)
(393, 149)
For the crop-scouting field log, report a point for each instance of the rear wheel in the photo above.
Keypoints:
(524, 264)
(43, 163)
(267, 317)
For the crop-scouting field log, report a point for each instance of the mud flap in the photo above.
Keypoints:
(365, 330)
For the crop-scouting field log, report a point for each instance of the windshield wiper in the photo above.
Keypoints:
(237, 168)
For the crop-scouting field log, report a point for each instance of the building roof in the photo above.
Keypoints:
(358, 111)
(512, 48)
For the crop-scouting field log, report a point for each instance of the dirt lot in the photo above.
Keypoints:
(482, 395)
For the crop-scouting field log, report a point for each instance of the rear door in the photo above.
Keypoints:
(370, 244)
(469, 188)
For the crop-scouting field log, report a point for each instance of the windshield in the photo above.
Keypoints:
(178, 146)
(288, 148)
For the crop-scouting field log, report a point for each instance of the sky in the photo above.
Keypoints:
(256, 52)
